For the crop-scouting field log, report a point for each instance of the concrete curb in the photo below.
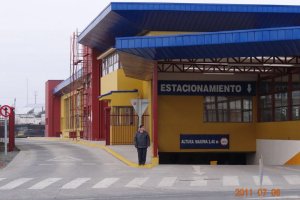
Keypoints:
(154, 161)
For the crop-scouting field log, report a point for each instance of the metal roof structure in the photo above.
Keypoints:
(132, 19)
(242, 43)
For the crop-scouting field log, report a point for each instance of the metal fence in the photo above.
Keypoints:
(124, 127)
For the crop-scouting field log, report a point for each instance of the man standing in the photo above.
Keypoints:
(142, 142)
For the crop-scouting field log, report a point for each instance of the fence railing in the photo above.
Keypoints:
(124, 127)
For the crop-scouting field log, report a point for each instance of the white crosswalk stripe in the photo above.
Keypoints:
(163, 182)
(45, 183)
(15, 183)
(75, 183)
(292, 179)
(137, 182)
(105, 183)
(198, 181)
(266, 180)
(231, 181)
(167, 182)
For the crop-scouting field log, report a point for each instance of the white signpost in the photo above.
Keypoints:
(261, 171)
(140, 106)
(5, 111)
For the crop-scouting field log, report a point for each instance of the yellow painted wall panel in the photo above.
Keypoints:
(127, 83)
(109, 82)
(295, 160)
(184, 114)
(278, 130)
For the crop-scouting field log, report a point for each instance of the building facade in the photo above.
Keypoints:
(219, 82)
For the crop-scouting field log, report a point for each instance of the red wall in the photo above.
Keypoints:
(52, 127)
(95, 97)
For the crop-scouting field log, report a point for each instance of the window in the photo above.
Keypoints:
(110, 63)
(280, 101)
(227, 109)
(266, 107)
(121, 115)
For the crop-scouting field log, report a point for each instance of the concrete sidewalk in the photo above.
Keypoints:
(4, 160)
(130, 152)
(125, 153)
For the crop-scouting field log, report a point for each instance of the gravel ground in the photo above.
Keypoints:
(4, 160)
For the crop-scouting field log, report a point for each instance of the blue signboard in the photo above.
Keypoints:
(207, 88)
(204, 141)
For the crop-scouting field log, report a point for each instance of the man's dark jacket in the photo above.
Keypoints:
(141, 140)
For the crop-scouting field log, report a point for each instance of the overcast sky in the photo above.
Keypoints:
(35, 39)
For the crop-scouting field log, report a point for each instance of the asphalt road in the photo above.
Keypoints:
(61, 170)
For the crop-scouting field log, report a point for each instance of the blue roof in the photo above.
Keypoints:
(67, 82)
(131, 19)
(256, 42)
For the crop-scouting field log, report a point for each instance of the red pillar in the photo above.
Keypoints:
(95, 96)
(11, 144)
(52, 105)
(155, 111)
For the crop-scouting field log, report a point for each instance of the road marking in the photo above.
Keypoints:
(288, 168)
(281, 197)
(230, 181)
(167, 182)
(198, 181)
(266, 180)
(88, 163)
(45, 183)
(292, 179)
(15, 183)
(197, 170)
(67, 164)
(64, 159)
(75, 183)
(46, 164)
(137, 182)
(105, 183)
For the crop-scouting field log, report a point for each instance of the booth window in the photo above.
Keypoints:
(122, 115)
(227, 109)
(279, 98)
(110, 63)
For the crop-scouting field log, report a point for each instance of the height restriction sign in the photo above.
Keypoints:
(5, 110)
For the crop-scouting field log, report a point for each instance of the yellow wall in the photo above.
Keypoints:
(63, 118)
(109, 82)
(278, 130)
(117, 81)
(184, 114)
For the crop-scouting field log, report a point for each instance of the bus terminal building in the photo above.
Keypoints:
(211, 82)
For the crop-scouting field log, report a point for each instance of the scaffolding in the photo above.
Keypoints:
(79, 89)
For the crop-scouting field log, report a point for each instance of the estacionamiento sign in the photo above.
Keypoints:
(207, 88)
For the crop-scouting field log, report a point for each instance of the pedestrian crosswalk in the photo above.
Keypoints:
(230, 181)
(44, 183)
(75, 183)
(140, 182)
(105, 183)
(137, 182)
(15, 183)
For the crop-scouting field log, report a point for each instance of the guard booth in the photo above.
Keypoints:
(222, 80)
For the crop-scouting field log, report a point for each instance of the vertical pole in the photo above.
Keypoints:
(155, 111)
(139, 111)
(11, 125)
(5, 136)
